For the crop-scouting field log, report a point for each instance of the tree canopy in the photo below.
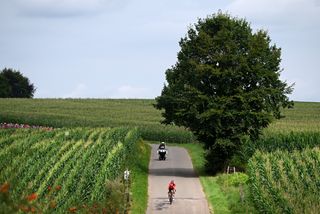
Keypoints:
(14, 84)
(225, 85)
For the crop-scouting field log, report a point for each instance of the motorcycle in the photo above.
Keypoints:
(162, 154)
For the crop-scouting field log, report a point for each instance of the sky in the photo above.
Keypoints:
(122, 48)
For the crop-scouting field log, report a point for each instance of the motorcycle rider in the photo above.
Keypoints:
(162, 151)
(162, 145)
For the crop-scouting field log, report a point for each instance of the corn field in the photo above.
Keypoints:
(76, 162)
(278, 141)
(285, 182)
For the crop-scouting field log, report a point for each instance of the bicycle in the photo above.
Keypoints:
(170, 196)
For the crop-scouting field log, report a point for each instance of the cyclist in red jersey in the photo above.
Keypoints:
(172, 187)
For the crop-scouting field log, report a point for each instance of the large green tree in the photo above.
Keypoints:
(225, 85)
(14, 84)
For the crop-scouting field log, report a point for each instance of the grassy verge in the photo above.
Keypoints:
(223, 191)
(217, 200)
(139, 186)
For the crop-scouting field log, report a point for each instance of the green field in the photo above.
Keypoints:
(93, 113)
(297, 133)
(305, 116)
(286, 141)
(80, 112)
(284, 182)
(65, 167)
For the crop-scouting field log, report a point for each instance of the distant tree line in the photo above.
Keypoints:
(14, 84)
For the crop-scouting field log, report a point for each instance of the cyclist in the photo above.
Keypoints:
(172, 187)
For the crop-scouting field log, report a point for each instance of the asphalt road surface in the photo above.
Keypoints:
(189, 197)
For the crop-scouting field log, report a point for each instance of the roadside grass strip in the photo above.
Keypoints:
(222, 196)
(216, 198)
(139, 178)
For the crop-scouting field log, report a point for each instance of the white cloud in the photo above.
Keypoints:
(294, 25)
(301, 13)
(124, 47)
(128, 91)
(78, 92)
(305, 90)
(66, 8)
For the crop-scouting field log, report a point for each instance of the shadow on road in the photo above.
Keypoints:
(178, 172)
(161, 203)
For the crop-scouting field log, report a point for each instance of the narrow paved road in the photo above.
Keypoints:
(178, 167)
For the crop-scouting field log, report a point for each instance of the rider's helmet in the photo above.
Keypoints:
(172, 181)
(162, 143)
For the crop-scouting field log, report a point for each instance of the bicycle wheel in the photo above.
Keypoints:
(170, 197)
